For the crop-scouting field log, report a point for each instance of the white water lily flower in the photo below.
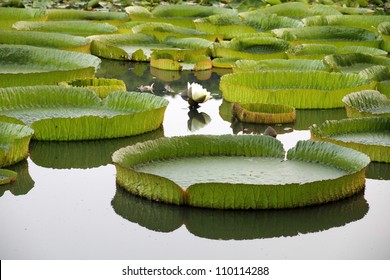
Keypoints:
(197, 94)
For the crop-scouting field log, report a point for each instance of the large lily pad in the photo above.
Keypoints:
(354, 62)
(101, 86)
(279, 64)
(367, 103)
(302, 90)
(28, 65)
(45, 39)
(264, 113)
(109, 17)
(68, 113)
(9, 16)
(339, 36)
(370, 135)
(249, 179)
(72, 27)
(14, 141)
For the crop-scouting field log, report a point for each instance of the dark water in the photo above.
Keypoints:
(65, 204)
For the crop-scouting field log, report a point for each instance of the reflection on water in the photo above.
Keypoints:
(236, 224)
(378, 170)
(197, 120)
(83, 154)
(23, 183)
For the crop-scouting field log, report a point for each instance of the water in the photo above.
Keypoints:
(65, 203)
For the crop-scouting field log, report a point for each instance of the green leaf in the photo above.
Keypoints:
(6, 176)
(28, 65)
(14, 141)
(370, 135)
(358, 21)
(75, 27)
(67, 113)
(101, 86)
(193, 11)
(279, 64)
(45, 39)
(299, 89)
(264, 113)
(367, 103)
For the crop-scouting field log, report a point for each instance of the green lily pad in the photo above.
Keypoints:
(28, 65)
(339, 36)
(239, 172)
(238, 224)
(9, 16)
(384, 30)
(192, 11)
(167, 61)
(358, 21)
(279, 64)
(72, 27)
(14, 141)
(45, 39)
(302, 90)
(254, 47)
(311, 51)
(101, 86)
(264, 113)
(367, 103)
(370, 135)
(71, 14)
(69, 113)
(354, 62)
(7, 176)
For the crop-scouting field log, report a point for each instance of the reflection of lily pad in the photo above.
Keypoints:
(28, 65)
(24, 182)
(378, 171)
(367, 103)
(83, 154)
(264, 113)
(236, 224)
(368, 135)
(14, 141)
(166, 61)
(302, 90)
(69, 113)
(7, 176)
(239, 172)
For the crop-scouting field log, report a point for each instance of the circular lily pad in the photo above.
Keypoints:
(239, 172)
(370, 135)
(70, 113)
(367, 103)
(264, 113)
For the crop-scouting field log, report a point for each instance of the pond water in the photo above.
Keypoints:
(66, 205)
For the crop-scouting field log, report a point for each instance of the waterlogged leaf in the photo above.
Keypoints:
(339, 172)
(68, 113)
(302, 90)
(45, 39)
(76, 27)
(236, 224)
(367, 103)
(14, 141)
(370, 135)
(28, 65)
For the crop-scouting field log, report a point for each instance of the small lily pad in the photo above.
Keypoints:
(264, 113)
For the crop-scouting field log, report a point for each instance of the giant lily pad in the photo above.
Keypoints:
(384, 30)
(45, 39)
(14, 141)
(28, 65)
(311, 51)
(191, 11)
(358, 21)
(354, 62)
(9, 16)
(279, 64)
(239, 172)
(339, 36)
(254, 47)
(238, 224)
(72, 27)
(101, 86)
(109, 17)
(370, 135)
(367, 103)
(67, 113)
(303, 90)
